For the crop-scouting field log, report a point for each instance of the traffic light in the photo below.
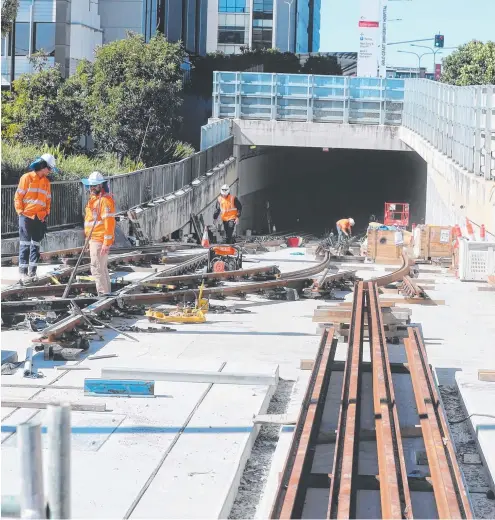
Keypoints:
(439, 41)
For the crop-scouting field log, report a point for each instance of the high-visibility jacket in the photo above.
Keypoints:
(344, 224)
(33, 196)
(104, 215)
(228, 211)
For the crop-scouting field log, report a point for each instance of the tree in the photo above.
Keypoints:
(134, 97)
(471, 64)
(43, 109)
(323, 65)
(9, 14)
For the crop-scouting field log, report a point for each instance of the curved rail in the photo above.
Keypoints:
(396, 276)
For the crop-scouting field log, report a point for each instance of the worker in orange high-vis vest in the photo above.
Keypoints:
(99, 222)
(229, 209)
(344, 227)
(32, 203)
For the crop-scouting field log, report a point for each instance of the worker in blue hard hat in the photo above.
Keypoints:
(32, 203)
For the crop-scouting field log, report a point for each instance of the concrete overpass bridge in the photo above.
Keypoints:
(436, 141)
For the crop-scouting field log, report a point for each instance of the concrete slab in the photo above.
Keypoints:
(478, 399)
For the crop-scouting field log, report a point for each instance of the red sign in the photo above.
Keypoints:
(438, 71)
(369, 24)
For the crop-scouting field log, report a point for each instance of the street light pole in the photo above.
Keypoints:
(288, 34)
(433, 51)
(419, 56)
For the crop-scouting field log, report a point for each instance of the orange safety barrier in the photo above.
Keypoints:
(470, 230)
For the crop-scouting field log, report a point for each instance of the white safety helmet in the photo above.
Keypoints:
(94, 179)
(225, 189)
(50, 160)
(351, 221)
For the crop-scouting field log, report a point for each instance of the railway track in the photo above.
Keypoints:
(351, 470)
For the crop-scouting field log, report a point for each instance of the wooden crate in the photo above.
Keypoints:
(382, 247)
(433, 242)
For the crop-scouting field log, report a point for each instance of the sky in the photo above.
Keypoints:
(458, 20)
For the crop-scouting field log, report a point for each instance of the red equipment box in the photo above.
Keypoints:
(396, 214)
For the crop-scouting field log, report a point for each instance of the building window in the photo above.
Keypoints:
(232, 6)
(21, 39)
(262, 38)
(44, 37)
(231, 34)
(265, 6)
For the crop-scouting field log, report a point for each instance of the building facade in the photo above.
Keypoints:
(288, 25)
(66, 31)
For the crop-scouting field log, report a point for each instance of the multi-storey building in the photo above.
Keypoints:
(292, 25)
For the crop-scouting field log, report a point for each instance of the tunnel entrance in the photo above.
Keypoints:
(310, 189)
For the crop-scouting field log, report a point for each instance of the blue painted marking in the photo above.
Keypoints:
(119, 387)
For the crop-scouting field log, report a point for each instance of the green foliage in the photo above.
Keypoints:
(128, 100)
(271, 60)
(135, 96)
(42, 109)
(322, 65)
(17, 157)
(471, 64)
(9, 13)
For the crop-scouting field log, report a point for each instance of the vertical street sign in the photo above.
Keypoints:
(383, 43)
(438, 71)
(369, 32)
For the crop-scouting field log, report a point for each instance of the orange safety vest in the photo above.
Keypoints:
(104, 230)
(33, 196)
(228, 211)
(344, 224)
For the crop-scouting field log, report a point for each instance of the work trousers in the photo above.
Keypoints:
(99, 267)
(229, 227)
(342, 235)
(31, 233)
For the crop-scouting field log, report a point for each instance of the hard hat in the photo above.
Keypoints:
(48, 158)
(225, 189)
(94, 179)
(351, 221)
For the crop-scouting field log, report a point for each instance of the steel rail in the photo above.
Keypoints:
(225, 275)
(295, 478)
(409, 288)
(448, 487)
(35, 305)
(395, 496)
(309, 271)
(18, 293)
(71, 322)
(394, 276)
(342, 499)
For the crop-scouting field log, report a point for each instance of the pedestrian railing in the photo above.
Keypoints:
(309, 98)
(457, 121)
(129, 189)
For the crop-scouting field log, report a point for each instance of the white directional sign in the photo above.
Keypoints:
(369, 34)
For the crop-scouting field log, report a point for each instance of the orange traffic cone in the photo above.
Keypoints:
(482, 233)
(457, 235)
(205, 241)
(470, 231)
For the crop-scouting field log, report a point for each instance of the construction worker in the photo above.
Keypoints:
(32, 203)
(229, 208)
(344, 227)
(99, 225)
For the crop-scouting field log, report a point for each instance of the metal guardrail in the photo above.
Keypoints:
(129, 189)
(310, 98)
(457, 121)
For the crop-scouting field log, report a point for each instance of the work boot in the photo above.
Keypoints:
(24, 278)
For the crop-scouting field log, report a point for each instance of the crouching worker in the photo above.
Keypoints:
(32, 203)
(99, 225)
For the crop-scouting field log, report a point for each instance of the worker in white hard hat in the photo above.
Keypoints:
(229, 208)
(344, 228)
(99, 225)
(32, 203)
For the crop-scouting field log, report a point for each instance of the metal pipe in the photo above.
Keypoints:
(59, 440)
(32, 496)
(28, 363)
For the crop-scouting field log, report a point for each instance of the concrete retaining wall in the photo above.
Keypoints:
(316, 135)
(452, 192)
(174, 213)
